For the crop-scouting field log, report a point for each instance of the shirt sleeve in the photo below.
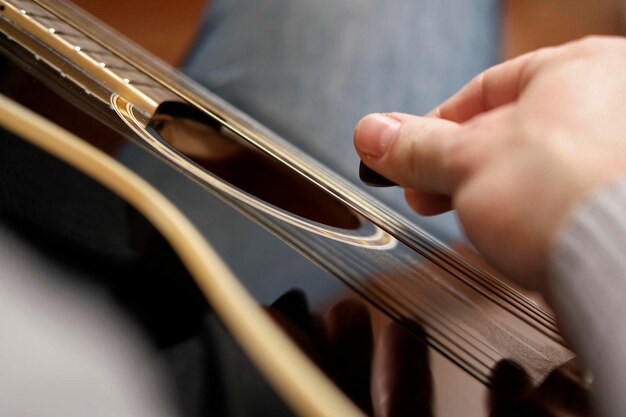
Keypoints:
(587, 288)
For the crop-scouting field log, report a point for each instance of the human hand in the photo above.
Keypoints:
(385, 368)
(513, 151)
(379, 364)
(563, 393)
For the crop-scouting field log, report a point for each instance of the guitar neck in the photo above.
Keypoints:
(60, 41)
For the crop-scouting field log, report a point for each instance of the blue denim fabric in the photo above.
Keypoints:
(310, 69)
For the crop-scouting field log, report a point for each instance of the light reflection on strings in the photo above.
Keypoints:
(368, 235)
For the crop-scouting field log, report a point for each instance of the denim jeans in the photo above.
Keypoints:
(310, 69)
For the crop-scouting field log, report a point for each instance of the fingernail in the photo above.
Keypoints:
(374, 133)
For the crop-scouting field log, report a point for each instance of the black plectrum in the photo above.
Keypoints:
(373, 178)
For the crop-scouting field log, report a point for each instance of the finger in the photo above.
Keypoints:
(499, 85)
(350, 348)
(509, 383)
(427, 204)
(408, 150)
(291, 313)
(564, 389)
(402, 384)
(294, 304)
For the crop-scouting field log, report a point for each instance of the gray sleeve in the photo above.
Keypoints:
(587, 287)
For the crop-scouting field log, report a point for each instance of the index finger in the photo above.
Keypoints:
(494, 87)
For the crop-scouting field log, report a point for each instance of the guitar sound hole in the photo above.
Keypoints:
(223, 153)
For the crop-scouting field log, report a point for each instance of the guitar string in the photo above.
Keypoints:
(397, 294)
(453, 258)
(439, 250)
(78, 38)
(445, 347)
(455, 265)
(413, 278)
(533, 313)
(548, 326)
(503, 292)
(446, 343)
(474, 367)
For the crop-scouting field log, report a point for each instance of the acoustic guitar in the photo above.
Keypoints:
(102, 145)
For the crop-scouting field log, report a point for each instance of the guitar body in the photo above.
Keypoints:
(342, 306)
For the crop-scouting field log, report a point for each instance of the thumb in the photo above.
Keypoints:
(409, 150)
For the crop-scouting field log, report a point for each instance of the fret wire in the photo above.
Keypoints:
(69, 35)
(98, 52)
(48, 17)
(127, 69)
